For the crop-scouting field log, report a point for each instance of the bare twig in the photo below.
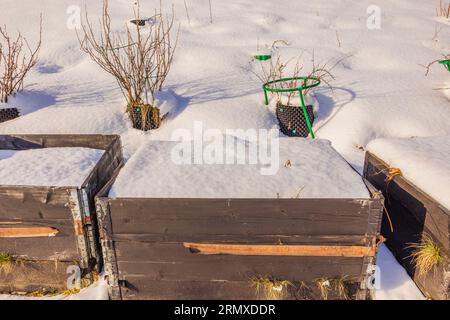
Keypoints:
(338, 39)
(436, 32)
(210, 12)
(429, 65)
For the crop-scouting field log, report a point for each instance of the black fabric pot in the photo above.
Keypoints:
(292, 121)
(144, 117)
(8, 114)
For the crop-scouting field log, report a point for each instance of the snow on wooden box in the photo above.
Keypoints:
(191, 242)
(412, 216)
(47, 216)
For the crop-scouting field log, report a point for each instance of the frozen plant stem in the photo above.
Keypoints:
(210, 12)
(187, 12)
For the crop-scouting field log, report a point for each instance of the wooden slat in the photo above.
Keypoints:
(143, 289)
(241, 217)
(241, 268)
(29, 276)
(254, 239)
(175, 262)
(27, 232)
(22, 142)
(281, 250)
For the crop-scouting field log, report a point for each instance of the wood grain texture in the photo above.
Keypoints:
(27, 232)
(280, 250)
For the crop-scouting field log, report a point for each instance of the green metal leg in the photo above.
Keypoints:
(265, 96)
(305, 113)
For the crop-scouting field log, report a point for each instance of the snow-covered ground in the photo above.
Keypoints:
(380, 90)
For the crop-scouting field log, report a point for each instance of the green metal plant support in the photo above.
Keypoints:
(316, 81)
(446, 63)
(263, 57)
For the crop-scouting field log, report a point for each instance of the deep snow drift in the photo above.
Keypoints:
(56, 167)
(303, 169)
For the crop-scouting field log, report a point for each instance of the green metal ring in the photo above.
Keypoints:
(446, 63)
(266, 88)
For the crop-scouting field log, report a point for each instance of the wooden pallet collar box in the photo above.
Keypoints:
(413, 214)
(170, 248)
(48, 228)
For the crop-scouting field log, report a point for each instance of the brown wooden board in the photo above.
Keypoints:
(145, 253)
(413, 214)
(69, 210)
(224, 290)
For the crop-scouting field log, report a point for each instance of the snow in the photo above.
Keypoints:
(423, 161)
(380, 90)
(56, 167)
(96, 291)
(395, 283)
(316, 170)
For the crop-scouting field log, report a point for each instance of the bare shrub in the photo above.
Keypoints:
(139, 61)
(17, 58)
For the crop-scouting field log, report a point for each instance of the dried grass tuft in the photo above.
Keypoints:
(426, 255)
(6, 262)
(324, 286)
(340, 286)
(269, 288)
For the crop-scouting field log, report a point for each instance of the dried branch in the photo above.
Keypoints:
(428, 66)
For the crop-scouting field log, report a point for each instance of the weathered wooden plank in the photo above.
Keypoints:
(240, 216)
(140, 288)
(174, 262)
(27, 232)
(61, 247)
(281, 250)
(22, 142)
(231, 238)
(30, 276)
